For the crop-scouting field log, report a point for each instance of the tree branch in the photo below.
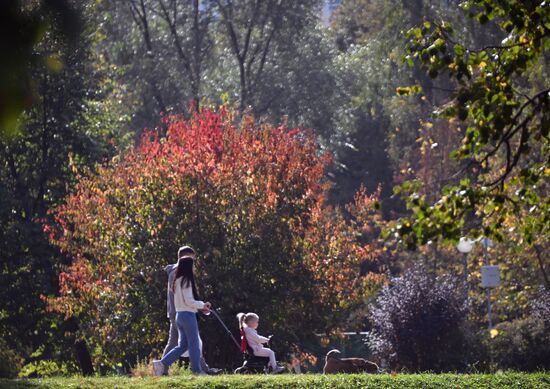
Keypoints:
(541, 266)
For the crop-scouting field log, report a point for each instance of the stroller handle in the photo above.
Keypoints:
(226, 329)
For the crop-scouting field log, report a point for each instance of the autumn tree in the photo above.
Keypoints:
(249, 198)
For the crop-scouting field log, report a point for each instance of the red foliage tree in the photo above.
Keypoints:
(249, 198)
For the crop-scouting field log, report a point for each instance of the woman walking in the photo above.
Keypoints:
(187, 306)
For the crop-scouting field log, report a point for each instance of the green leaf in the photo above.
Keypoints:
(439, 42)
(482, 18)
(459, 50)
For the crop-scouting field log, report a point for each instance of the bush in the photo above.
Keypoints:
(44, 368)
(540, 308)
(419, 324)
(521, 345)
(10, 361)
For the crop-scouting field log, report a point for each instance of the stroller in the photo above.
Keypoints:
(252, 364)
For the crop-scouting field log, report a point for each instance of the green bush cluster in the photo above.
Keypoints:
(521, 345)
(44, 368)
(10, 361)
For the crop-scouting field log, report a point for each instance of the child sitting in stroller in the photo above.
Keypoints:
(248, 323)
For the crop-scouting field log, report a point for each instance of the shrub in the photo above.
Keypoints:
(418, 323)
(10, 361)
(540, 308)
(44, 368)
(523, 344)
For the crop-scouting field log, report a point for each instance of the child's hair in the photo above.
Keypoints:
(244, 318)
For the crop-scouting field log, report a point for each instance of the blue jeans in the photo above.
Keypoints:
(188, 332)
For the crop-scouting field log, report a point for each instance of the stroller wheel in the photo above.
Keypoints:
(242, 370)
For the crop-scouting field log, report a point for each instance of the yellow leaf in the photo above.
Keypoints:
(494, 333)
(54, 63)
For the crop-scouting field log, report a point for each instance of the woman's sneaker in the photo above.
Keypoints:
(278, 369)
(213, 371)
(158, 368)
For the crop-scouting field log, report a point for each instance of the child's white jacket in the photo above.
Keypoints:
(254, 340)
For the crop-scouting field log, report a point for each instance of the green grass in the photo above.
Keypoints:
(505, 380)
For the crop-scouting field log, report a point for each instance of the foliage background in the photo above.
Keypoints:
(87, 80)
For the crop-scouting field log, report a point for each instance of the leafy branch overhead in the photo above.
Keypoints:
(503, 122)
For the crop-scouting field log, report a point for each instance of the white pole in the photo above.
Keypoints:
(489, 308)
(466, 287)
(486, 244)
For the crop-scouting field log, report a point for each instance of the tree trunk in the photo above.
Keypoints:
(83, 357)
(541, 266)
(80, 348)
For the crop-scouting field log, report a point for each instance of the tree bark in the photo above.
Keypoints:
(80, 348)
(541, 266)
(83, 357)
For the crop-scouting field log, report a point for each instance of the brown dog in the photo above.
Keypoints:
(335, 364)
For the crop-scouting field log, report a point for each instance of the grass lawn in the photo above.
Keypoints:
(505, 380)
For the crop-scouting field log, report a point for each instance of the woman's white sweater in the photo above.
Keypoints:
(184, 300)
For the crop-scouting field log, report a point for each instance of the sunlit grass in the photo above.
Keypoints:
(503, 380)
